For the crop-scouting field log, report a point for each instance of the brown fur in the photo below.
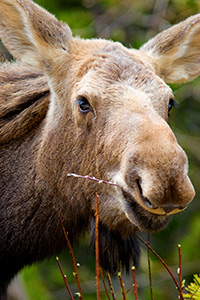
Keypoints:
(123, 136)
(23, 93)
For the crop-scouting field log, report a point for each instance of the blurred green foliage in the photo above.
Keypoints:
(194, 288)
(133, 23)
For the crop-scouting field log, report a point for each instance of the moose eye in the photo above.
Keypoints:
(83, 105)
(170, 105)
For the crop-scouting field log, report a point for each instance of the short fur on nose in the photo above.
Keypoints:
(159, 180)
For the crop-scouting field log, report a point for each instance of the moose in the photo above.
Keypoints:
(95, 107)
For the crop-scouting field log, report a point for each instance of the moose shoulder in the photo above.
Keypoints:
(93, 107)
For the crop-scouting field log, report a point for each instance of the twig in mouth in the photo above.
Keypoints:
(92, 178)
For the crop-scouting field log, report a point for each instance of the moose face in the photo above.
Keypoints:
(120, 111)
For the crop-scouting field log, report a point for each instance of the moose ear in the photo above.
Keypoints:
(31, 34)
(175, 52)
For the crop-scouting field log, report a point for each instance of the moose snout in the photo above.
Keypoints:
(157, 177)
(168, 204)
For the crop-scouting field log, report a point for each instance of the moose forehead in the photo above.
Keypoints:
(123, 74)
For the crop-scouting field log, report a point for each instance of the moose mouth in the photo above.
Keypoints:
(142, 218)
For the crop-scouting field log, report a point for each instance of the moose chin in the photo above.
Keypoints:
(89, 107)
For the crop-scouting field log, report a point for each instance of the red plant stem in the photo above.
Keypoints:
(122, 285)
(70, 251)
(104, 284)
(149, 268)
(92, 178)
(97, 247)
(165, 265)
(65, 279)
(111, 286)
(134, 283)
(180, 268)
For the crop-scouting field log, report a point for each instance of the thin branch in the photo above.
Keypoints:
(97, 247)
(180, 268)
(122, 285)
(104, 284)
(92, 178)
(111, 286)
(65, 279)
(165, 265)
(134, 283)
(149, 268)
(71, 252)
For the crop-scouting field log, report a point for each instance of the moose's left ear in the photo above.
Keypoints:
(175, 52)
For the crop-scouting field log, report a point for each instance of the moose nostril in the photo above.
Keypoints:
(164, 209)
(147, 203)
(144, 199)
(139, 187)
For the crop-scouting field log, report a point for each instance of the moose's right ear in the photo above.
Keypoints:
(31, 34)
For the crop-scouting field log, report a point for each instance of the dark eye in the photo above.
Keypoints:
(83, 105)
(170, 105)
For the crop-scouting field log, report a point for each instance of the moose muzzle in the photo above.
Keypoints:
(157, 173)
